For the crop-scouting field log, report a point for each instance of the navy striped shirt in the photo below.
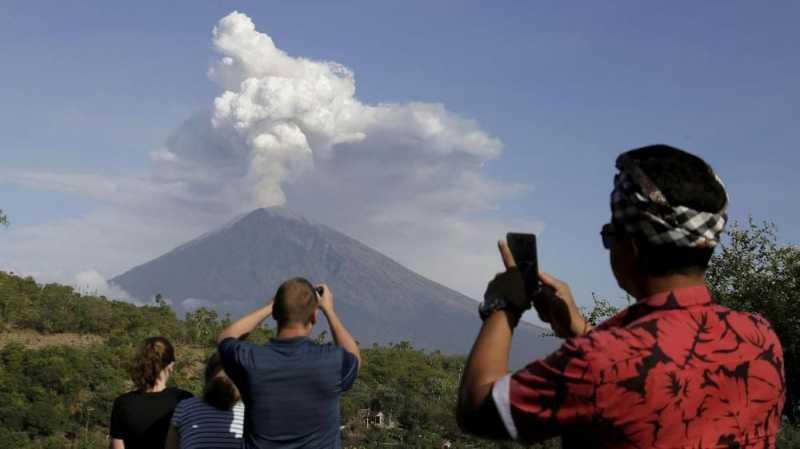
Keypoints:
(291, 389)
(202, 426)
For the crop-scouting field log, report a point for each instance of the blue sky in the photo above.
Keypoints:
(94, 87)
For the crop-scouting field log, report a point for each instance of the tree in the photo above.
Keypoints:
(601, 310)
(202, 326)
(160, 301)
(3, 218)
(754, 273)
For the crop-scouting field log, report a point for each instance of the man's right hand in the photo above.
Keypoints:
(326, 298)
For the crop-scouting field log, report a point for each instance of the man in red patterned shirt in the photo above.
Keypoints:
(674, 370)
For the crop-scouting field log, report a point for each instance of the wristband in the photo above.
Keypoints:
(493, 303)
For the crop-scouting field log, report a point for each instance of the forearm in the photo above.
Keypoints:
(487, 362)
(173, 439)
(247, 323)
(341, 336)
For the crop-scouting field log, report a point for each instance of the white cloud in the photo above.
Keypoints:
(407, 179)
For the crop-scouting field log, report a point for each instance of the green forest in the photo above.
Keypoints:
(63, 357)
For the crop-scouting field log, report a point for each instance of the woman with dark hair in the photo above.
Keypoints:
(214, 422)
(140, 419)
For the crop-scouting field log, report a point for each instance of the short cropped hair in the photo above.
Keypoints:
(155, 354)
(295, 302)
(685, 180)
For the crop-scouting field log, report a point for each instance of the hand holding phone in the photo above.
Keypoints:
(523, 248)
(325, 297)
(563, 314)
(550, 297)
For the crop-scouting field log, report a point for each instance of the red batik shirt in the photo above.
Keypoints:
(674, 370)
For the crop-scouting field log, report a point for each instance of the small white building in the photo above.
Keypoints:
(378, 419)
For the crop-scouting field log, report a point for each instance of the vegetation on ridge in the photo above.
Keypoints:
(63, 357)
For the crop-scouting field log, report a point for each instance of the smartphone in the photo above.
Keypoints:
(523, 248)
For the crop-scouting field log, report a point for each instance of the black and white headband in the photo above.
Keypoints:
(644, 211)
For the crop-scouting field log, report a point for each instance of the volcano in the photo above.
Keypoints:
(239, 266)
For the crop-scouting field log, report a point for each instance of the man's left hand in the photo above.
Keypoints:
(326, 298)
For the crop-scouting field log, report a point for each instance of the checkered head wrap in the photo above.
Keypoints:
(644, 212)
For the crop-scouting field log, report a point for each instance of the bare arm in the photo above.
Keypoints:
(487, 362)
(247, 323)
(116, 444)
(173, 439)
(341, 336)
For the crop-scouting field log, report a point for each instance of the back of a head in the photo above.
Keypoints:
(153, 356)
(295, 302)
(219, 391)
(685, 180)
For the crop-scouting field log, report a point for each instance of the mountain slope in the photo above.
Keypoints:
(237, 267)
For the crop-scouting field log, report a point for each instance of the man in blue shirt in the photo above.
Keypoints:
(291, 386)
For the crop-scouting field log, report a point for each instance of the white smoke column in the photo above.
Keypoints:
(404, 178)
(407, 179)
(277, 108)
(278, 116)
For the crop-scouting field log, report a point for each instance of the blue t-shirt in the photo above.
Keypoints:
(290, 389)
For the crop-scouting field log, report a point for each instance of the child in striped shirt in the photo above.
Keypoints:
(214, 422)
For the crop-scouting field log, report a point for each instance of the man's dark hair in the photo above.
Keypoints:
(295, 302)
(685, 180)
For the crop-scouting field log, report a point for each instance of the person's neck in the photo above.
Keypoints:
(654, 285)
(158, 387)
(293, 331)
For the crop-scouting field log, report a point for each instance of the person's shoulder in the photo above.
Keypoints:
(235, 344)
(128, 396)
(323, 347)
(179, 394)
(747, 323)
(327, 349)
(603, 346)
(185, 405)
(188, 402)
(753, 318)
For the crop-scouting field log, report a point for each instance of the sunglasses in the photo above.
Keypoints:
(607, 233)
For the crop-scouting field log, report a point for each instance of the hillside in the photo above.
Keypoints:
(63, 357)
(236, 267)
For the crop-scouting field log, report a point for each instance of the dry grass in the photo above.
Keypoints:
(35, 340)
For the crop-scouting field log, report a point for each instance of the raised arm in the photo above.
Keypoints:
(247, 323)
(476, 411)
(341, 336)
(488, 362)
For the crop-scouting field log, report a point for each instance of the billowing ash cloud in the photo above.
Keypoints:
(282, 120)
(284, 130)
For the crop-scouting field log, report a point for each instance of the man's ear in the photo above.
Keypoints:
(314, 317)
